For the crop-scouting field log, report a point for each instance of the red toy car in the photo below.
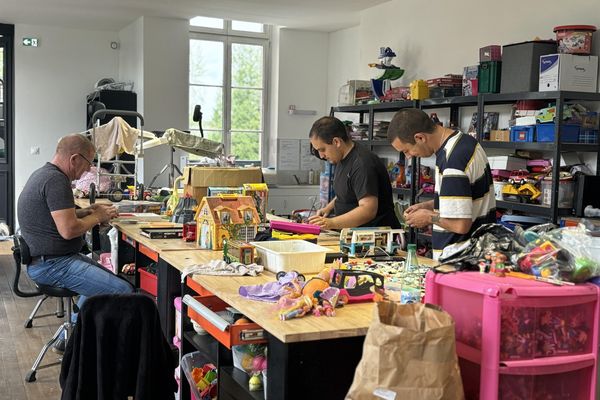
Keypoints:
(519, 177)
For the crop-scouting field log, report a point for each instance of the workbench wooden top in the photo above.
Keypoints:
(84, 203)
(6, 247)
(349, 321)
(133, 231)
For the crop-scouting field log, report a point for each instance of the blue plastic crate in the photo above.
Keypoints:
(522, 133)
(588, 136)
(568, 133)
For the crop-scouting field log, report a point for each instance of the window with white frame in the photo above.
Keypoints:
(228, 79)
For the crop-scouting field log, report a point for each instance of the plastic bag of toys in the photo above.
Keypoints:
(250, 358)
(567, 254)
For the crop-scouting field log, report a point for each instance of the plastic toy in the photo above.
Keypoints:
(359, 286)
(296, 308)
(254, 383)
(497, 262)
(382, 84)
(237, 251)
(358, 241)
(518, 177)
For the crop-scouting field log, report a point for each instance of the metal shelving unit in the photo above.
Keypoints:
(560, 98)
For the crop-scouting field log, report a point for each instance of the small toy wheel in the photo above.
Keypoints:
(280, 274)
(115, 195)
(301, 277)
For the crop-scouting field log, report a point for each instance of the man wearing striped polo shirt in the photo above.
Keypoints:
(464, 189)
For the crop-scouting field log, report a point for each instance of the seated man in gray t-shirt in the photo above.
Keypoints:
(53, 228)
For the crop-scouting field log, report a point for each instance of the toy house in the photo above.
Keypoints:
(226, 217)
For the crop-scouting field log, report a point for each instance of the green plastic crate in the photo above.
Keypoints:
(488, 76)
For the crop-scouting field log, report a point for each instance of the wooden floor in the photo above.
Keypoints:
(19, 346)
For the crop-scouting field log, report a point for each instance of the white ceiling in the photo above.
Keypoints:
(321, 15)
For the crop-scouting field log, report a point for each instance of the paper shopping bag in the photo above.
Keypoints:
(409, 354)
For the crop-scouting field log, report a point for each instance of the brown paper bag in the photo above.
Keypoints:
(409, 353)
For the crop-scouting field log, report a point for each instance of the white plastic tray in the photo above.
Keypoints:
(288, 255)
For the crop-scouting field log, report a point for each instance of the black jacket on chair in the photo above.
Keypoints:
(118, 350)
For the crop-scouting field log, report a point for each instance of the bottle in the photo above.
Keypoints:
(411, 280)
(411, 265)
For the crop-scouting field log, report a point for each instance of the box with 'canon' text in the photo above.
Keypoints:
(568, 72)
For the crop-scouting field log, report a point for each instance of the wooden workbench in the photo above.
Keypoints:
(84, 203)
(351, 320)
(6, 247)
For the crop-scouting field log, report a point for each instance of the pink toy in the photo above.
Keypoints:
(295, 227)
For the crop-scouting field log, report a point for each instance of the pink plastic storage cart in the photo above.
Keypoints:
(521, 339)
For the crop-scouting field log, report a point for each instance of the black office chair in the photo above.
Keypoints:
(60, 309)
(23, 257)
(118, 350)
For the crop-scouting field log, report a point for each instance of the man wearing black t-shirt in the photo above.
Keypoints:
(361, 182)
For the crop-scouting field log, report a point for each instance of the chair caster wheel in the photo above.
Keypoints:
(28, 323)
(30, 377)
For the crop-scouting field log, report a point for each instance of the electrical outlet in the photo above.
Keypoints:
(34, 150)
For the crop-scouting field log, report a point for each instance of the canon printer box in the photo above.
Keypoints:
(568, 72)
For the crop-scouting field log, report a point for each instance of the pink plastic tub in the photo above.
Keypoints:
(573, 380)
(575, 39)
(511, 326)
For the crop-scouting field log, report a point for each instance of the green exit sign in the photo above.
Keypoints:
(30, 42)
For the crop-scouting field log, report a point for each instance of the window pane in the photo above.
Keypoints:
(207, 22)
(247, 26)
(246, 109)
(246, 65)
(206, 62)
(210, 100)
(245, 145)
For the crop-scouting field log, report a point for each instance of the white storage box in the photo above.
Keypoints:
(288, 255)
(568, 72)
(507, 163)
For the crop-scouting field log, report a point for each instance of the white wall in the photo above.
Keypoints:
(342, 64)
(303, 59)
(432, 38)
(51, 84)
(131, 58)
(165, 87)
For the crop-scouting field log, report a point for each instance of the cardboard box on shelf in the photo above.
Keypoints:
(500, 136)
(198, 179)
(568, 72)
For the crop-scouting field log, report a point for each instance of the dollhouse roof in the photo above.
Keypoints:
(234, 205)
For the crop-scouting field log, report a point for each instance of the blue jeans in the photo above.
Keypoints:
(79, 274)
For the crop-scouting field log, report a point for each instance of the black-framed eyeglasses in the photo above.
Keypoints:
(85, 158)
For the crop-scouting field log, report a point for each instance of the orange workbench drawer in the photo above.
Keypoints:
(197, 287)
(226, 333)
(148, 282)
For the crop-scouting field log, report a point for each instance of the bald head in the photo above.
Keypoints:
(73, 144)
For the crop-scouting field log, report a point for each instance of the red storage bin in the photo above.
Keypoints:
(148, 282)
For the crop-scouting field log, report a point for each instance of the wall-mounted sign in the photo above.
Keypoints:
(30, 42)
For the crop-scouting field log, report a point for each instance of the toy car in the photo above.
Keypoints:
(518, 177)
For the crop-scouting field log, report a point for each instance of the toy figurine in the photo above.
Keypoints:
(482, 266)
(498, 263)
